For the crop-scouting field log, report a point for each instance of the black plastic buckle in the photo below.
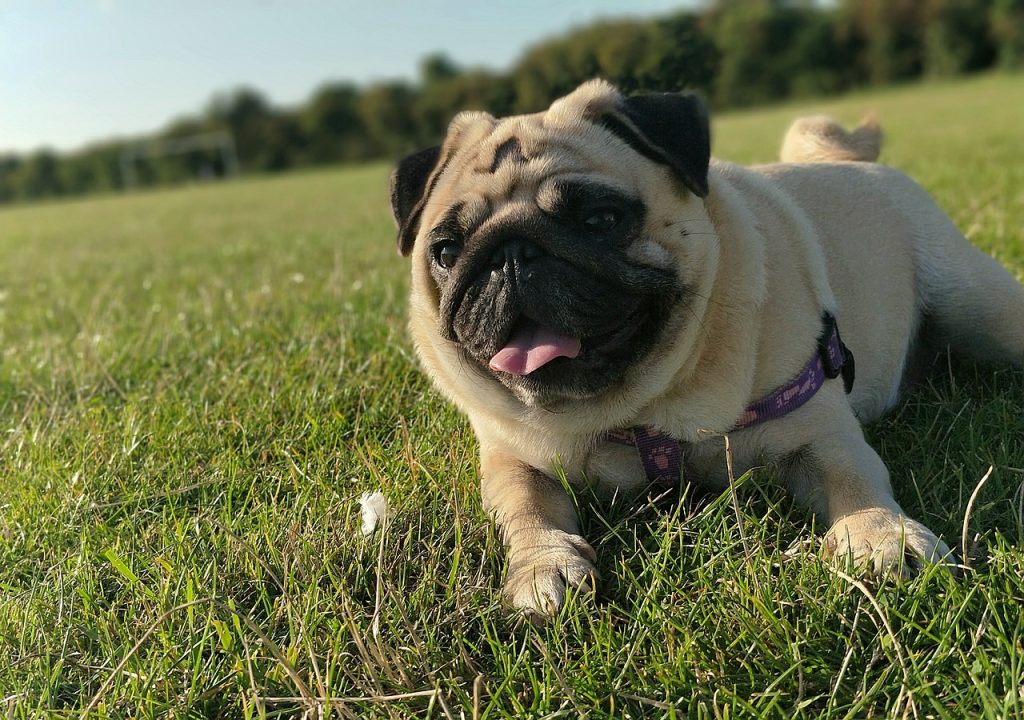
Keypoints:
(835, 366)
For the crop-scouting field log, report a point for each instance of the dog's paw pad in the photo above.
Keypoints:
(886, 543)
(540, 576)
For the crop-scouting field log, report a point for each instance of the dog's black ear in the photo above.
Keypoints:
(669, 128)
(409, 193)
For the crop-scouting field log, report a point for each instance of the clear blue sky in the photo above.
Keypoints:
(74, 71)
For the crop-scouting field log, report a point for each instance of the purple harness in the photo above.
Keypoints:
(660, 453)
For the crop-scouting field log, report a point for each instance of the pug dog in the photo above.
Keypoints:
(604, 302)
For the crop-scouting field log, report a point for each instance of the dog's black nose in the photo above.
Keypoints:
(514, 252)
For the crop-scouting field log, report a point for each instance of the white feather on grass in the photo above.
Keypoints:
(375, 510)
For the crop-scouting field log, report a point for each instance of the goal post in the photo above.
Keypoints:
(220, 141)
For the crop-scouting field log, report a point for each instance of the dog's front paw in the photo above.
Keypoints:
(886, 542)
(541, 571)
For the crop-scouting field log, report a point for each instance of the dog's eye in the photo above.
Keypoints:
(446, 253)
(601, 220)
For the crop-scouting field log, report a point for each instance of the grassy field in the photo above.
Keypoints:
(197, 385)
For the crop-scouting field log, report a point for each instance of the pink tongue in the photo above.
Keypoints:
(533, 346)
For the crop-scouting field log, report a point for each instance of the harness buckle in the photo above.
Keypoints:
(836, 358)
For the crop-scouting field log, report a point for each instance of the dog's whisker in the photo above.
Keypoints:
(689, 221)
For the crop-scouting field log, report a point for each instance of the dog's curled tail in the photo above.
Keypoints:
(819, 138)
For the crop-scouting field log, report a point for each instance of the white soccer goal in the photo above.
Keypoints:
(221, 141)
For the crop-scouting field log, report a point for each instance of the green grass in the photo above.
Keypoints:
(196, 386)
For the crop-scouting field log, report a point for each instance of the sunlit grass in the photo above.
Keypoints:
(196, 386)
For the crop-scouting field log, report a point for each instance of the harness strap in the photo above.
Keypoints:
(660, 453)
(832, 360)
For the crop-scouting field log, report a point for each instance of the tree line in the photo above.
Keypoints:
(736, 52)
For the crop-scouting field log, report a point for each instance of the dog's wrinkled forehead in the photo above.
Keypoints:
(500, 159)
(593, 131)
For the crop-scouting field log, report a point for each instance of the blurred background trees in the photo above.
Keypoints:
(735, 52)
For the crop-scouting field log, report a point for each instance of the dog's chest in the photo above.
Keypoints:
(613, 466)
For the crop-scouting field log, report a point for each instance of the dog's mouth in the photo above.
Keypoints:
(533, 345)
(541, 364)
(549, 328)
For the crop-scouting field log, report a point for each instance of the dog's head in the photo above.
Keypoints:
(547, 248)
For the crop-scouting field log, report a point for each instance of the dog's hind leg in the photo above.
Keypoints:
(971, 304)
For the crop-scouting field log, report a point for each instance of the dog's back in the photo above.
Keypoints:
(968, 302)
